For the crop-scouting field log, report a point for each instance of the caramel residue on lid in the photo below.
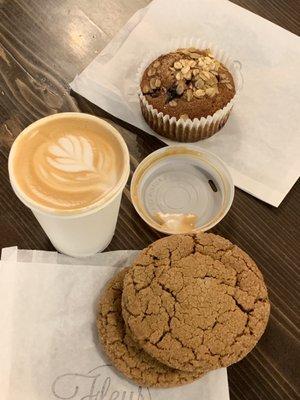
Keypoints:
(176, 223)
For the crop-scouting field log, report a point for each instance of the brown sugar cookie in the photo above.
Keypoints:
(195, 302)
(124, 353)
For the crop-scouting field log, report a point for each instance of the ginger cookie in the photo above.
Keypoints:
(195, 302)
(124, 353)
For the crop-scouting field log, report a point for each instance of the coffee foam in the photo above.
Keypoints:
(67, 163)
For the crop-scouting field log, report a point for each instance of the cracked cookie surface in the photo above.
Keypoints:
(195, 302)
(124, 353)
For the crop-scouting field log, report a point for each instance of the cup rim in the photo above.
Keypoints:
(90, 209)
(155, 157)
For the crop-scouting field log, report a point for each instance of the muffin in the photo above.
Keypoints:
(191, 86)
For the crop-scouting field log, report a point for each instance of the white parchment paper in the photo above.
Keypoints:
(49, 348)
(261, 141)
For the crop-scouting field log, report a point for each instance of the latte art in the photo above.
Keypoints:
(68, 165)
(72, 154)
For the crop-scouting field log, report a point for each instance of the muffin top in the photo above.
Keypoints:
(187, 83)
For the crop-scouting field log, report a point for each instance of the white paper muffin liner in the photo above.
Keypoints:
(189, 130)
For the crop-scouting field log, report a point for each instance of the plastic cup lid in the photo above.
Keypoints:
(181, 189)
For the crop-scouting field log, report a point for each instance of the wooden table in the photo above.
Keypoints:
(43, 45)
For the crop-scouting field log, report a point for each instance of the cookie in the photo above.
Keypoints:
(195, 302)
(124, 353)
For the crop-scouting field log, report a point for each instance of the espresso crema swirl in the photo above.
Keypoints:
(67, 165)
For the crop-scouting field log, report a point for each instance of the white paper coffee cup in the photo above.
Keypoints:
(84, 232)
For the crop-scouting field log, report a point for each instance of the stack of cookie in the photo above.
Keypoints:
(189, 304)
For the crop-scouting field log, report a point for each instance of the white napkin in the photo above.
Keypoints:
(49, 348)
(261, 141)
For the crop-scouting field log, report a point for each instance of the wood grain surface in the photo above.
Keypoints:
(43, 45)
